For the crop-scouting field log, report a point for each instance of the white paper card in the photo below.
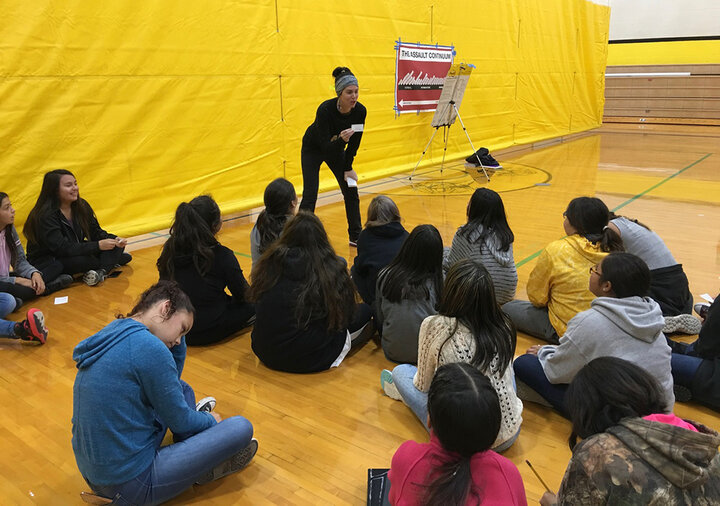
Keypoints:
(707, 297)
(358, 127)
(61, 300)
(351, 182)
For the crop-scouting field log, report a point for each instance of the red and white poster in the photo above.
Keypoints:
(420, 71)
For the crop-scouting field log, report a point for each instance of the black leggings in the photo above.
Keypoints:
(50, 269)
(236, 317)
(104, 260)
(311, 161)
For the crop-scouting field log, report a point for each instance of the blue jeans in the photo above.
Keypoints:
(416, 400)
(531, 320)
(529, 370)
(177, 466)
(7, 305)
(684, 368)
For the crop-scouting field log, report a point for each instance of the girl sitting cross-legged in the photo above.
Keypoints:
(621, 322)
(307, 318)
(408, 291)
(457, 466)
(558, 284)
(469, 327)
(204, 268)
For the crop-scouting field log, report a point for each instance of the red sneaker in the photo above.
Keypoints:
(32, 328)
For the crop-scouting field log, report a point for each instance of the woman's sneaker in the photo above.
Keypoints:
(386, 382)
(206, 404)
(683, 324)
(234, 464)
(32, 328)
(93, 277)
(62, 281)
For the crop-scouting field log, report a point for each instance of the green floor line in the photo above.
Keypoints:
(628, 201)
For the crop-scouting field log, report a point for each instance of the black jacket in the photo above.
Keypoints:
(323, 136)
(207, 293)
(377, 247)
(277, 339)
(57, 237)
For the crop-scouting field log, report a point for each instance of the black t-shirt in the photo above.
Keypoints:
(324, 133)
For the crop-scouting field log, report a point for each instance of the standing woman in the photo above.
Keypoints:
(63, 226)
(204, 268)
(332, 139)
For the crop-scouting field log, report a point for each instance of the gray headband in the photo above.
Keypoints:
(344, 81)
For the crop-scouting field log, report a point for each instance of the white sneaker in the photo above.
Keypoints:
(386, 382)
(92, 277)
(206, 404)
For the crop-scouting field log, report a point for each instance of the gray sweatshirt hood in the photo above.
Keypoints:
(492, 244)
(640, 317)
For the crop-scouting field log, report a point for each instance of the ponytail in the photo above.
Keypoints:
(610, 241)
(192, 233)
(590, 217)
(269, 227)
(453, 484)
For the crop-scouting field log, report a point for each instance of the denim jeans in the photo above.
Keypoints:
(7, 305)
(684, 368)
(177, 466)
(416, 400)
(529, 370)
(531, 320)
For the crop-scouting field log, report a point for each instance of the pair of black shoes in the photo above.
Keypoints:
(483, 156)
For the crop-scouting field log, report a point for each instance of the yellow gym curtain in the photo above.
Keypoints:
(152, 103)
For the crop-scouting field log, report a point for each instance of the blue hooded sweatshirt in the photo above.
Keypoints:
(127, 380)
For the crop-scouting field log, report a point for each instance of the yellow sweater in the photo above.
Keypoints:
(560, 279)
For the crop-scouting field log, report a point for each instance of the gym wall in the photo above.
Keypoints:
(152, 103)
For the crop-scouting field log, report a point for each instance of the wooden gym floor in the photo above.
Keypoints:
(319, 433)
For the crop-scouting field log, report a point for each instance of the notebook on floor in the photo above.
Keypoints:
(378, 487)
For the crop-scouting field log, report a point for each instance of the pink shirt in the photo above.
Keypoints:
(670, 419)
(495, 476)
(4, 255)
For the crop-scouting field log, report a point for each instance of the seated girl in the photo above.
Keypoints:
(25, 282)
(119, 424)
(307, 318)
(408, 291)
(696, 367)
(32, 328)
(634, 450)
(203, 268)
(471, 328)
(621, 322)
(62, 226)
(457, 466)
(558, 285)
(487, 238)
(280, 205)
(377, 245)
(668, 282)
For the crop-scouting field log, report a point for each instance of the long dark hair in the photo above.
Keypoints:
(327, 290)
(628, 274)
(486, 209)
(9, 239)
(465, 416)
(607, 390)
(192, 233)
(163, 290)
(381, 211)
(418, 262)
(279, 198)
(49, 201)
(590, 217)
(469, 297)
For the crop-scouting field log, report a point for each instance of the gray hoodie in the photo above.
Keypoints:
(629, 328)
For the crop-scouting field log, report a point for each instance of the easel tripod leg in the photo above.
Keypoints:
(423, 153)
(470, 141)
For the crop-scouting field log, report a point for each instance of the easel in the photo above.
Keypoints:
(447, 111)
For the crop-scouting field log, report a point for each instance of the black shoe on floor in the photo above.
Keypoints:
(62, 281)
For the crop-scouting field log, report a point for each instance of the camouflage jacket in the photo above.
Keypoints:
(644, 462)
